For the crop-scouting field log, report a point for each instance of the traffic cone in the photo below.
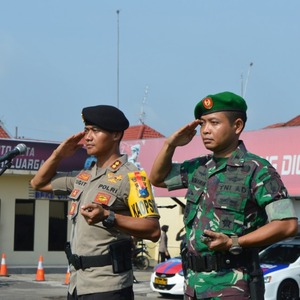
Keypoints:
(40, 274)
(67, 280)
(3, 270)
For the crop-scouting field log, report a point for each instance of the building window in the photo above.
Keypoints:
(58, 225)
(24, 225)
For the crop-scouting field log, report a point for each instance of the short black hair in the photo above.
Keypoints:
(234, 115)
(164, 228)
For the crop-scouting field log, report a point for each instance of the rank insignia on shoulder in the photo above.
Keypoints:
(116, 165)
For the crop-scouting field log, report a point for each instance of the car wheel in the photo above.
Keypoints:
(288, 290)
(142, 262)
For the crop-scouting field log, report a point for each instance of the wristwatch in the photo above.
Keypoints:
(235, 248)
(109, 222)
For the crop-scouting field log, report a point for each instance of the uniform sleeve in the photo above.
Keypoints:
(63, 183)
(174, 179)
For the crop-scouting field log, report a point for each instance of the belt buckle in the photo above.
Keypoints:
(76, 262)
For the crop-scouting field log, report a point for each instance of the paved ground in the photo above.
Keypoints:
(24, 286)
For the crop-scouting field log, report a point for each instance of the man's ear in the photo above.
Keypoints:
(117, 135)
(239, 125)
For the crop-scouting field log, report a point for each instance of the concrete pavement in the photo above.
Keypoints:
(21, 285)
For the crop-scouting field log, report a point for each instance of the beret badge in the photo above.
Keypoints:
(207, 103)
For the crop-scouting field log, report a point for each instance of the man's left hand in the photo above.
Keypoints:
(217, 241)
(93, 213)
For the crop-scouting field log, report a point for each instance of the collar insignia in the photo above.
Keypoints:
(116, 165)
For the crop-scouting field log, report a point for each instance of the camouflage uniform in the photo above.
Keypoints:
(233, 196)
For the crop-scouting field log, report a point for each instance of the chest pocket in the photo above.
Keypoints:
(193, 196)
(230, 206)
(107, 192)
(196, 187)
(105, 198)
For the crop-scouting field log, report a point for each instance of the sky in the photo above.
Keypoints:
(153, 59)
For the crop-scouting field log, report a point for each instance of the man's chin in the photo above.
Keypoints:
(209, 146)
(90, 152)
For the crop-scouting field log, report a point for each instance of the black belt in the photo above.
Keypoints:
(84, 262)
(216, 262)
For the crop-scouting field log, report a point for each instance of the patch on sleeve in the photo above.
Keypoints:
(140, 200)
(273, 186)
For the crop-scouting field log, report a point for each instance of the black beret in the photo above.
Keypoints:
(106, 117)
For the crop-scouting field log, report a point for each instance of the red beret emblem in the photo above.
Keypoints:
(207, 103)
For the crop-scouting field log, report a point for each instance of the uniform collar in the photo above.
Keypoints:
(113, 167)
(237, 157)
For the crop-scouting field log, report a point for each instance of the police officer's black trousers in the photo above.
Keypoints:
(124, 294)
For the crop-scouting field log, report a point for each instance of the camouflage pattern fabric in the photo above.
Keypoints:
(228, 196)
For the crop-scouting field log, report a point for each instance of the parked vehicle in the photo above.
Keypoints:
(140, 256)
(280, 263)
(167, 277)
(281, 266)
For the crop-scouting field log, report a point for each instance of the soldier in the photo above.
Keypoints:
(236, 202)
(111, 202)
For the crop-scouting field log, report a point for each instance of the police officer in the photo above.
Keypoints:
(236, 202)
(110, 202)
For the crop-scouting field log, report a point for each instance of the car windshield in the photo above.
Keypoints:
(280, 254)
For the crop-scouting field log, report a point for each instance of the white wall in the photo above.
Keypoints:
(14, 187)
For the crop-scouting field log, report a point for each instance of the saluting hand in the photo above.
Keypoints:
(184, 135)
(70, 145)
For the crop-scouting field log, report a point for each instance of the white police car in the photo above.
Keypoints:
(280, 263)
(167, 278)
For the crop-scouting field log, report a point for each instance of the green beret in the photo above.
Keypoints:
(106, 117)
(225, 101)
